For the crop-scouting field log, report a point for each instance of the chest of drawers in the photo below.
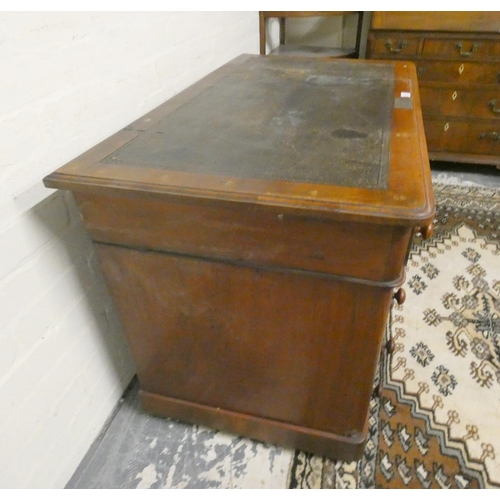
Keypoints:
(457, 55)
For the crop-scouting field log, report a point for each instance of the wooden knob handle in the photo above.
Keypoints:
(400, 296)
(426, 231)
(378, 391)
(390, 346)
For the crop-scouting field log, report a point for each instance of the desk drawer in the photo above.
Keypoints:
(248, 235)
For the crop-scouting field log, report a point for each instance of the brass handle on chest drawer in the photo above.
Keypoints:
(395, 50)
(426, 231)
(470, 52)
(491, 105)
(494, 136)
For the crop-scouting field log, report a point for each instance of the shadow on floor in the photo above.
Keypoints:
(465, 173)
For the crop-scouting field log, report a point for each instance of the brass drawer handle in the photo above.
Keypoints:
(494, 136)
(420, 70)
(393, 49)
(426, 231)
(474, 47)
(491, 105)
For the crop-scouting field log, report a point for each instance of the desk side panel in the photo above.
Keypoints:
(285, 346)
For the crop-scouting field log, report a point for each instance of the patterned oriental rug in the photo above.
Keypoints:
(437, 424)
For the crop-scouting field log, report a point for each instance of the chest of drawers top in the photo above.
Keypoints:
(482, 22)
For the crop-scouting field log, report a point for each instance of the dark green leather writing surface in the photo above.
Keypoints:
(300, 120)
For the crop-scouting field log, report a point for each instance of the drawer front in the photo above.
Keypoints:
(484, 104)
(463, 137)
(396, 45)
(486, 136)
(443, 101)
(248, 236)
(458, 72)
(463, 49)
(442, 135)
(457, 101)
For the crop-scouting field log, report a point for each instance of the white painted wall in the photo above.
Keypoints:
(69, 80)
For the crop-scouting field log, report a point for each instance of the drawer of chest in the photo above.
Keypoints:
(393, 45)
(459, 101)
(458, 72)
(466, 48)
(463, 136)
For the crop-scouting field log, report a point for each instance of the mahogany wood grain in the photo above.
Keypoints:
(258, 305)
(457, 72)
(449, 101)
(445, 135)
(265, 430)
(257, 236)
(459, 101)
(464, 135)
(273, 344)
(408, 199)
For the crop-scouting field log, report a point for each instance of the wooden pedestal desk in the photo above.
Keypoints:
(252, 231)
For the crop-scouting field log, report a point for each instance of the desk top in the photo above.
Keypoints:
(342, 137)
(299, 121)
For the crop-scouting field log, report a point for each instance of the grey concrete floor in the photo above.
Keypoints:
(136, 450)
